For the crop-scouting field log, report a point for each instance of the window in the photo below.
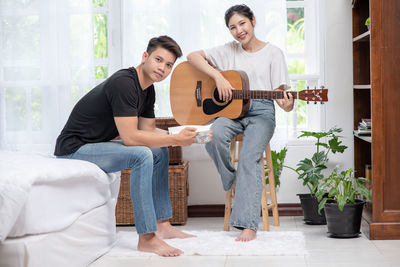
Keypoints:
(52, 53)
(303, 59)
(21, 93)
(90, 27)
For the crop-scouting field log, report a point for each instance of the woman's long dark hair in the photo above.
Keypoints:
(239, 9)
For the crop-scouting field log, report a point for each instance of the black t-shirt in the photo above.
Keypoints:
(92, 118)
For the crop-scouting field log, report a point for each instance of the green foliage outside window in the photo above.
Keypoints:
(99, 3)
(101, 72)
(100, 39)
(18, 31)
(100, 36)
(17, 112)
(36, 107)
(295, 37)
(15, 99)
(294, 14)
(295, 41)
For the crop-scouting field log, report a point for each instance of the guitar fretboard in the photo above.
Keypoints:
(260, 94)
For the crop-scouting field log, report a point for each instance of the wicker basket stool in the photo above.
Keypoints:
(178, 190)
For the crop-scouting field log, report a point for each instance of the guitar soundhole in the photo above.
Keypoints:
(216, 96)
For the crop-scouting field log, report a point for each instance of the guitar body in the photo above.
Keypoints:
(195, 100)
(194, 96)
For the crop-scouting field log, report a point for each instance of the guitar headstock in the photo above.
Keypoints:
(314, 95)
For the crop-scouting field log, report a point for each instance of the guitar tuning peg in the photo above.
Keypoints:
(322, 87)
(322, 103)
(315, 102)
(308, 102)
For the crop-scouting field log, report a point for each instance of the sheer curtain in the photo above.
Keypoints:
(46, 63)
(195, 25)
(47, 54)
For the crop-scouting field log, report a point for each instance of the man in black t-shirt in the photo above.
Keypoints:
(123, 105)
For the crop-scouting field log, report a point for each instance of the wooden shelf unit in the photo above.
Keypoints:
(365, 138)
(364, 37)
(376, 79)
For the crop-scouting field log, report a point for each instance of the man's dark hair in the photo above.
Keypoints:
(165, 42)
(238, 9)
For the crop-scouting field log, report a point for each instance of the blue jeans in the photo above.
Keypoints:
(148, 181)
(257, 128)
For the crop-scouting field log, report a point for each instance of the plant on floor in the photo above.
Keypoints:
(343, 188)
(309, 170)
(278, 157)
(340, 195)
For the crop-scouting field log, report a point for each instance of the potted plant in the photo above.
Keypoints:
(277, 165)
(341, 195)
(368, 23)
(310, 171)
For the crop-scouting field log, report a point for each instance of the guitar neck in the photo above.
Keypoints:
(260, 94)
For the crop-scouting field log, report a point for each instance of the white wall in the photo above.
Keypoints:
(335, 17)
(339, 73)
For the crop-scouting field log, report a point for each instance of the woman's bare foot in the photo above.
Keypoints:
(246, 235)
(166, 231)
(151, 243)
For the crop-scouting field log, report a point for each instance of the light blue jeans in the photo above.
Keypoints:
(148, 181)
(257, 128)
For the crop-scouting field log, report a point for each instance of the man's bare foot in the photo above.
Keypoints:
(151, 243)
(166, 231)
(246, 235)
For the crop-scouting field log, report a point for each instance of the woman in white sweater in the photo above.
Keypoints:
(266, 68)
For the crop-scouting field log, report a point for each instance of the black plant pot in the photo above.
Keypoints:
(309, 204)
(346, 223)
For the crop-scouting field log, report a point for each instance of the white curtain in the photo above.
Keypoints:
(47, 58)
(46, 64)
(195, 25)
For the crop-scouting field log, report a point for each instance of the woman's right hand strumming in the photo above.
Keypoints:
(224, 88)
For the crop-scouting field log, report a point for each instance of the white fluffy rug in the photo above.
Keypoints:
(221, 243)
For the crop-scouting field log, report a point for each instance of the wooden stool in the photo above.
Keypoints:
(264, 201)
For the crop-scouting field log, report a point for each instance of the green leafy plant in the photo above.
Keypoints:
(310, 170)
(277, 164)
(367, 22)
(342, 187)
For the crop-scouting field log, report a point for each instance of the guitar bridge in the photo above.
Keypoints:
(198, 93)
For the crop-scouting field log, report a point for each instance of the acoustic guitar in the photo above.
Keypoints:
(195, 99)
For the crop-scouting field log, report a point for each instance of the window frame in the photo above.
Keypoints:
(314, 55)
